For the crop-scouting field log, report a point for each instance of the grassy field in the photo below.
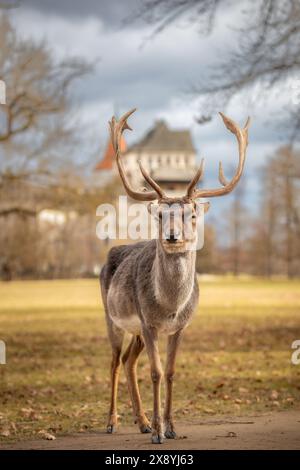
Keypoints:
(235, 358)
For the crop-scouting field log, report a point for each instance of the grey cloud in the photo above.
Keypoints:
(112, 12)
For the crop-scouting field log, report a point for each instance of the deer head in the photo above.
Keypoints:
(172, 214)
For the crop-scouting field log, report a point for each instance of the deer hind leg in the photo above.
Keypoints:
(116, 336)
(151, 342)
(129, 360)
(172, 348)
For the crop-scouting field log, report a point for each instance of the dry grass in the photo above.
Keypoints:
(235, 357)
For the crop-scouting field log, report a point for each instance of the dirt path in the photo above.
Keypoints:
(273, 431)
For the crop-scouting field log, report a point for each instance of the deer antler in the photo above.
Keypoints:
(242, 138)
(116, 130)
(195, 180)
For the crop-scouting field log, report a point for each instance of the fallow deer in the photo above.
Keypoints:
(151, 287)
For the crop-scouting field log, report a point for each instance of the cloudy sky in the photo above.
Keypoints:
(153, 75)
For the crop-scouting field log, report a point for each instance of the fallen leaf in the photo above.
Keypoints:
(274, 395)
(220, 385)
(13, 426)
(290, 400)
(208, 410)
(46, 435)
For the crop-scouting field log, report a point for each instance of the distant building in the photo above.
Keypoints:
(168, 155)
(108, 161)
(56, 217)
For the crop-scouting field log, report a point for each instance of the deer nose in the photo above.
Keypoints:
(172, 237)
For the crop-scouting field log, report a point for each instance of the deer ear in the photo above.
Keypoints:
(205, 205)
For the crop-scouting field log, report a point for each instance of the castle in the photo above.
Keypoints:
(168, 155)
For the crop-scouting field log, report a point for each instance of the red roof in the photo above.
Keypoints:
(108, 158)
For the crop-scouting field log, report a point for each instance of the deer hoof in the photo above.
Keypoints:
(170, 434)
(111, 428)
(145, 429)
(157, 439)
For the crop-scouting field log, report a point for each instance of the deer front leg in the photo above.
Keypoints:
(151, 342)
(172, 348)
(129, 360)
(116, 338)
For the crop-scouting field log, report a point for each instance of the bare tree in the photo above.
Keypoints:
(288, 162)
(37, 141)
(264, 52)
(36, 128)
(277, 230)
(238, 224)
(269, 215)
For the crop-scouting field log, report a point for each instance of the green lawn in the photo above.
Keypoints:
(235, 357)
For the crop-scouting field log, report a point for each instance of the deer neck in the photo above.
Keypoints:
(173, 276)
